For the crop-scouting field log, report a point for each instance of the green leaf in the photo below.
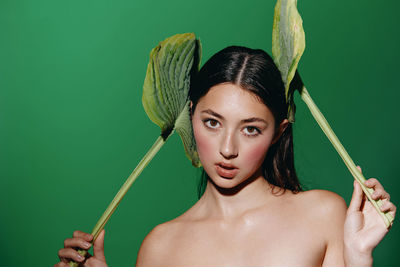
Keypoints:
(288, 44)
(165, 100)
(166, 87)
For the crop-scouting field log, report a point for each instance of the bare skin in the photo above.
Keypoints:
(304, 229)
(241, 220)
(275, 232)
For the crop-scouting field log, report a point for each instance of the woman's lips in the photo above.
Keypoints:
(226, 170)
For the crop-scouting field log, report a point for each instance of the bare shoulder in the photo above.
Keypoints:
(321, 208)
(326, 209)
(324, 202)
(327, 212)
(164, 239)
(156, 243)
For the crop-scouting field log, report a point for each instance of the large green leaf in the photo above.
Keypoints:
(166, 87)
(288, 43)
(165, 100)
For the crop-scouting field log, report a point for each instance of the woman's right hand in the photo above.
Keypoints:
(81, 240)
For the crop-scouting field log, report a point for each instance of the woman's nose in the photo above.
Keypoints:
(228, 148)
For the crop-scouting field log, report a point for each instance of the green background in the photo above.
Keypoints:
(72, 126)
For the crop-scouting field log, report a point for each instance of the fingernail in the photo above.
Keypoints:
(86, 245)
(80, 257)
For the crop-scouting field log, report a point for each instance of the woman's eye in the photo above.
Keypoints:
(210, 123)
(252, 131)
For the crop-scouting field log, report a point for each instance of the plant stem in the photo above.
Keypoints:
(387, 217)
(121, 193)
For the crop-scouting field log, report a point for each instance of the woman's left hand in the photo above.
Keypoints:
(364, 228)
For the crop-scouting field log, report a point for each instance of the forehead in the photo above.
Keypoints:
(230, 100)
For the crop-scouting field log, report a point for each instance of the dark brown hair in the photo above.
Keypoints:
(253, 70)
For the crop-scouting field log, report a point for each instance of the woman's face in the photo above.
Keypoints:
(233, 131)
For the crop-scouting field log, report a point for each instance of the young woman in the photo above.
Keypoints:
(253, 211)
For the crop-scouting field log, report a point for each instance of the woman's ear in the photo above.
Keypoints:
(281, 129)
(190, 107)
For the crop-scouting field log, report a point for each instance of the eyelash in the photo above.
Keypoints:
(207, 121)
(258, 131)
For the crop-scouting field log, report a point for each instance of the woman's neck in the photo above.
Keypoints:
(222, 203)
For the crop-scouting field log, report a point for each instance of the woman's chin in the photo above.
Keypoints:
(224, 182)
(229, 186)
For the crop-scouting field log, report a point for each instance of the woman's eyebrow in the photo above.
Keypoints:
(219, 116)
(254, 119)
(211, 112)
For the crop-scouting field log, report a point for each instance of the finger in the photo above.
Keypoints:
(76, 242)
(359, 168)
(83, 235)
(98, 247)
(357, 197)
(66, 254)
(380, 194)
(379, 191)
(393, 212)
(388, 206)
(373, 183)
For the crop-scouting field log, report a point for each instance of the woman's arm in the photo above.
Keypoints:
(364, 228)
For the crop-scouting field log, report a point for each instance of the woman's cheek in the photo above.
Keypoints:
(204, 143)
(255, 154)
